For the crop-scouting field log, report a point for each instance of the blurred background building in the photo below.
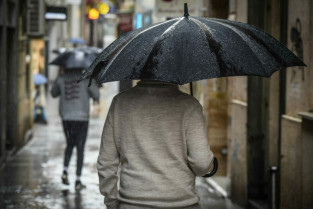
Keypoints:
(261, 130)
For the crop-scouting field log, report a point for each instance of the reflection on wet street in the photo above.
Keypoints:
(32, 178)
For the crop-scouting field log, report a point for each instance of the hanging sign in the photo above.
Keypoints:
(56, 13)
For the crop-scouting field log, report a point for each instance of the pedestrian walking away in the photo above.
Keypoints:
(74, 111)
(158, 136)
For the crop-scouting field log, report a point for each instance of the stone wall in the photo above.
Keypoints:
(238, 152)
(296, 137)
(217, 121)
(290, 187)
(307, 155)
(237, 123)
(299, 85)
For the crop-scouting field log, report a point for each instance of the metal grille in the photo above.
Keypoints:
(35, 17)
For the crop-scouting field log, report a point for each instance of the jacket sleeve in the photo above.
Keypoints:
(55, 90)
(200, 155)
(108, 162)
(94, 91)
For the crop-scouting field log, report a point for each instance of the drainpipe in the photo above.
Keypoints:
(273, 203)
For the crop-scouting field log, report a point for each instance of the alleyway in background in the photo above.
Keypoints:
(32, 178)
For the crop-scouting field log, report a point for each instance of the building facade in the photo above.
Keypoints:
(24, 51)
(15, 79)
(270, 120)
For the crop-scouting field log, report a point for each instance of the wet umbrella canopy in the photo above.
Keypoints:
(77, 58)
(188, 49)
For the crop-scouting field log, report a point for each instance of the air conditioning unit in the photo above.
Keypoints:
(35, 17)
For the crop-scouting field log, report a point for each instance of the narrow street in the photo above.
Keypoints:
(31, 179)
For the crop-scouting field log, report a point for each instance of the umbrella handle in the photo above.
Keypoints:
(214, 170)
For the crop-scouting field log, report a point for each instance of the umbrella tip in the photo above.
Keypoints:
(186, 10)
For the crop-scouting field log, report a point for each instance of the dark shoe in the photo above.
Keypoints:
(79, 185)
(65, 179)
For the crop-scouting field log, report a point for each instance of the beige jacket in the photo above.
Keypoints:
(158, 137)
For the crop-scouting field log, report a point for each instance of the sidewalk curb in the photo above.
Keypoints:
(217, 187)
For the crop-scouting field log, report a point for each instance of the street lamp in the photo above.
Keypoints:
(93, 14)
(94, 10)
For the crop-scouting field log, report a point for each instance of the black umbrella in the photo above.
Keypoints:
(188, 48)
(77, 57)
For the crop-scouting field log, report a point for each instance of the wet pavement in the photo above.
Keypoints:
(31, 179)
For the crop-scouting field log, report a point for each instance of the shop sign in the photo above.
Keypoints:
(56, 13)
(125, 22)
(37, 55)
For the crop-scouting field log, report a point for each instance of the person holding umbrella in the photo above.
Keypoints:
(156, 133)
(74, 106)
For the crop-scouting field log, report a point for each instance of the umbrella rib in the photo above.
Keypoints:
(232, 29)
(145, 71)
(99, 62)
(117, 51)
(254, 37)
(215, 48)
(279, 59)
